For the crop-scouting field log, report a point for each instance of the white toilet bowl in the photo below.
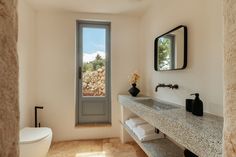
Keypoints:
(35, 142)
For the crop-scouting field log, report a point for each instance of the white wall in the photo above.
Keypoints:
(204, 72)
(26, 52)
(56, 71)
(51, 69)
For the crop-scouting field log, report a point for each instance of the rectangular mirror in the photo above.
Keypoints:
(171, 50)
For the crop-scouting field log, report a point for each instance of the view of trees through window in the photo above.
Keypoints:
(94, 60)
(94, 65)
(94, 77)
(164, 53)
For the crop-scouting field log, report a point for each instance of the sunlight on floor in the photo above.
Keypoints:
(95, 148)
(92, 154)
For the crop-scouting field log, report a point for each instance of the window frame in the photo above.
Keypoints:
(79, 61)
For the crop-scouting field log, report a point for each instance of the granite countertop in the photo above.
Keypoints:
(201, 135)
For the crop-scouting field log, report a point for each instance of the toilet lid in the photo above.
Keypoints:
(29, 135)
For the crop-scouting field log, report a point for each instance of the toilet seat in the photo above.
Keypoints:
(31, 135)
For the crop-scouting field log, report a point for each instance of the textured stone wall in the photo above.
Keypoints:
(94, 82)
(9, 114)
(230, 78)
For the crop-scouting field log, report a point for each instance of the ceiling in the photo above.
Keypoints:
(94, 6)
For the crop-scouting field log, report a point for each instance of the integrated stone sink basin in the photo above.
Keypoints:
(156, 105)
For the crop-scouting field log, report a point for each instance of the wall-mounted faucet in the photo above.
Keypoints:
(175, 86)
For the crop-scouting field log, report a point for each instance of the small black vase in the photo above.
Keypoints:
(134, 90)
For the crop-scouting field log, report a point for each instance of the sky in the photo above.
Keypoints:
(93, 43)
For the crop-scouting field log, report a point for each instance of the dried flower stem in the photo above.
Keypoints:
(134, 78)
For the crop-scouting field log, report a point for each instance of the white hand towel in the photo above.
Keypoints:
(136, 121)
(145, 129)
(129, 124)
(151, 137)
(148, 137)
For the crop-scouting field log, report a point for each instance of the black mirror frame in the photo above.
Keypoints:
(185, 48)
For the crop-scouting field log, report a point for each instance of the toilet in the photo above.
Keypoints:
(35, 142)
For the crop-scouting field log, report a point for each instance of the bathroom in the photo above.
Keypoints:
(49, 58)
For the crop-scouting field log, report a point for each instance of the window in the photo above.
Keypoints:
(166, 52)
(93, 80)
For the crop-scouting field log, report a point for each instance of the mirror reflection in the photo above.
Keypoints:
(170, 50)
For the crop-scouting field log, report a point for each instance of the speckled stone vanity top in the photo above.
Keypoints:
(201, 135)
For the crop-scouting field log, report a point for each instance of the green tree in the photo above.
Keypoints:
(164, 51)
(87, 67)
(98, 57)
(97, 63)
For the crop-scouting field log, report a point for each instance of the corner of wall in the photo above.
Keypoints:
(26, 51)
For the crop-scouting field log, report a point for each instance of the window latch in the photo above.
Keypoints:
(80, 73)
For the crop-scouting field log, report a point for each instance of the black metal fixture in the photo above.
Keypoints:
(175, 86)
(157, 131)
(188, 153)
(36, 124)
(171, 62)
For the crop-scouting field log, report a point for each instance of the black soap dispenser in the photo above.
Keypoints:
(197, 105)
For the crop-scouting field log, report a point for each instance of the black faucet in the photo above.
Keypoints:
(175, 86)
